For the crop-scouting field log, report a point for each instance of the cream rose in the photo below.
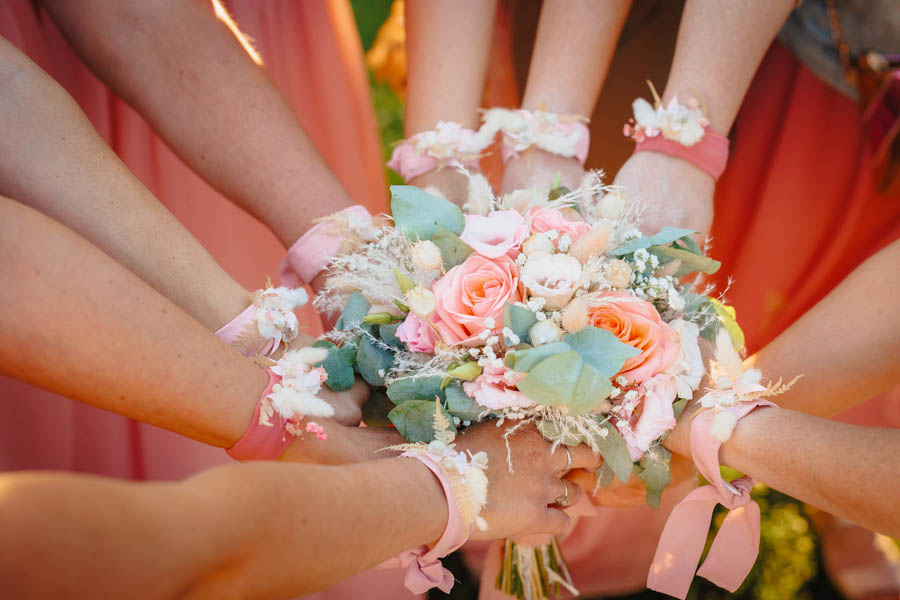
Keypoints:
(553, 277)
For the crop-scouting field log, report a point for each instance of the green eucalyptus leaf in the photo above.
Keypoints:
(615, 452)
(605, 475)
(414, 420)
(388, 334)
(338, 364)
(632, 246)
(667, 235)
(376, 409)
(356, 310)
(417, 214)
(453, 250)
(415, 388)
(654, 472)
(460, 405)
(559, 431)
(690, 262)
(525, 360)
(591, 391)
(373, 361)
(552, 381)
(519, 320)
(601, 349)
(690, 244)
(678, 406)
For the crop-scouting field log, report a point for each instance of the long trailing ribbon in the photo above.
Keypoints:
(734, 549)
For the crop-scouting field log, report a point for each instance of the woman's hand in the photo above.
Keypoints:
(536, 168)
(348, 403)
(522, 501)
(671, 191)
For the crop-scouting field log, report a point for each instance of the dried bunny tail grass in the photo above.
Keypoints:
(480, 198)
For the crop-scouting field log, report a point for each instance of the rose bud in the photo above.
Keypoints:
(618, 273)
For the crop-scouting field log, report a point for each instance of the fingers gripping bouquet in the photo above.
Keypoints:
(563, 315)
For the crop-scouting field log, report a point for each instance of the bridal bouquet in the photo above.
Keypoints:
(562, 314)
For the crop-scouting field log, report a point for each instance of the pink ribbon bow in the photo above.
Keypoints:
(734, 549)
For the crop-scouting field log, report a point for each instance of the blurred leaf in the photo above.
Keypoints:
(554, 431)
(460, 405)
(338, 364)
(388, 334)
(373, 361)
(403, 280)
(525, 360)
(414, 420)
(415, 388)
(667, 235)
(418, 214)
(615, 452)
(519, 320)
(632, 246)
(357, 308)
(552, 381)
(466, 371)
(453, 250)
(375, 410)
(591, 391)
(728, 317)
(654, 472)
(601, 349)
(690, 262)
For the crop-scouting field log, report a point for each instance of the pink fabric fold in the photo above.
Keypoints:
(311, 252)
(262, 442)
(423, 566)
(709, 154)
(736, 545)
(231, 331)
(407, 161)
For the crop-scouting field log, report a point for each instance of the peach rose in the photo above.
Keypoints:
(543, 219)
(636, 322)
(471, 297)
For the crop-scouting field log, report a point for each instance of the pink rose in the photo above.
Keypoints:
(636, 322)
(499, 233)
(543, 219)
(495, 389)
(657, 415)
(416, 334)
(472, 293)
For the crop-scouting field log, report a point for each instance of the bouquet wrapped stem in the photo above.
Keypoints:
(533, 568)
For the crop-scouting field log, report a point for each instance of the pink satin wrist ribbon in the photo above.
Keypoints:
(736, 546)
(563, 129)
(410, 163)
(709, 154)
(230, 332)
(262, 442)
(311, 253)
(424, 568)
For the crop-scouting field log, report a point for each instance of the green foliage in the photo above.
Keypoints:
(388, 334)
(615, 453)
(654, 472)
(525, 360)
(414, 420)
(415, 388)
(690, 262)
(357, 308)
(519, 320)
(667, 235)
(601, 349)
(461, 405)
(376, 409)
(372, 361)
(338, 364)
(404, 281)
(419, 214)
(453, 250)
(466, 371)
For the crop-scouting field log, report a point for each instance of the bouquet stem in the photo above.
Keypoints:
(531, 571)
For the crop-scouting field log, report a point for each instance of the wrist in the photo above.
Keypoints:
(433, 499)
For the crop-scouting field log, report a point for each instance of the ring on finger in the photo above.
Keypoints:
(568, 460)
(564, 499)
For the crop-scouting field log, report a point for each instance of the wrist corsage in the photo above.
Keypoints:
(448, 144)
(462, 477)
(680, 130)
(565, 135)
(290, 397)
(269, 320)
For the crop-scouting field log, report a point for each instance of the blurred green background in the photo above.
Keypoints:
(789, 564)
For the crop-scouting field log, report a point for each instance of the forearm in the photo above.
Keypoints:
(847, 470)
(572, 52)
(448, 47)
(54, 161)
(77, 323)
(256, 530)
(720, 45)
(846, 346)
(209, 101)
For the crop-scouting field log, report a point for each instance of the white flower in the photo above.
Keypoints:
(274, 316)
(688, 368)
(618, 273)
(426, 255)
(612, 205)
(421, 301)
(545, 332)
(723, 425)
(537, 243)
(296, 394)
(731, 382)
(553, 277)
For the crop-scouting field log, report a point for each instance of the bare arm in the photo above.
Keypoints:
(76, 322)
(257, 530)
(185, 72)
(847, 345)
(572, 52)
(719, 48)
(54, 161)
(448, 47)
